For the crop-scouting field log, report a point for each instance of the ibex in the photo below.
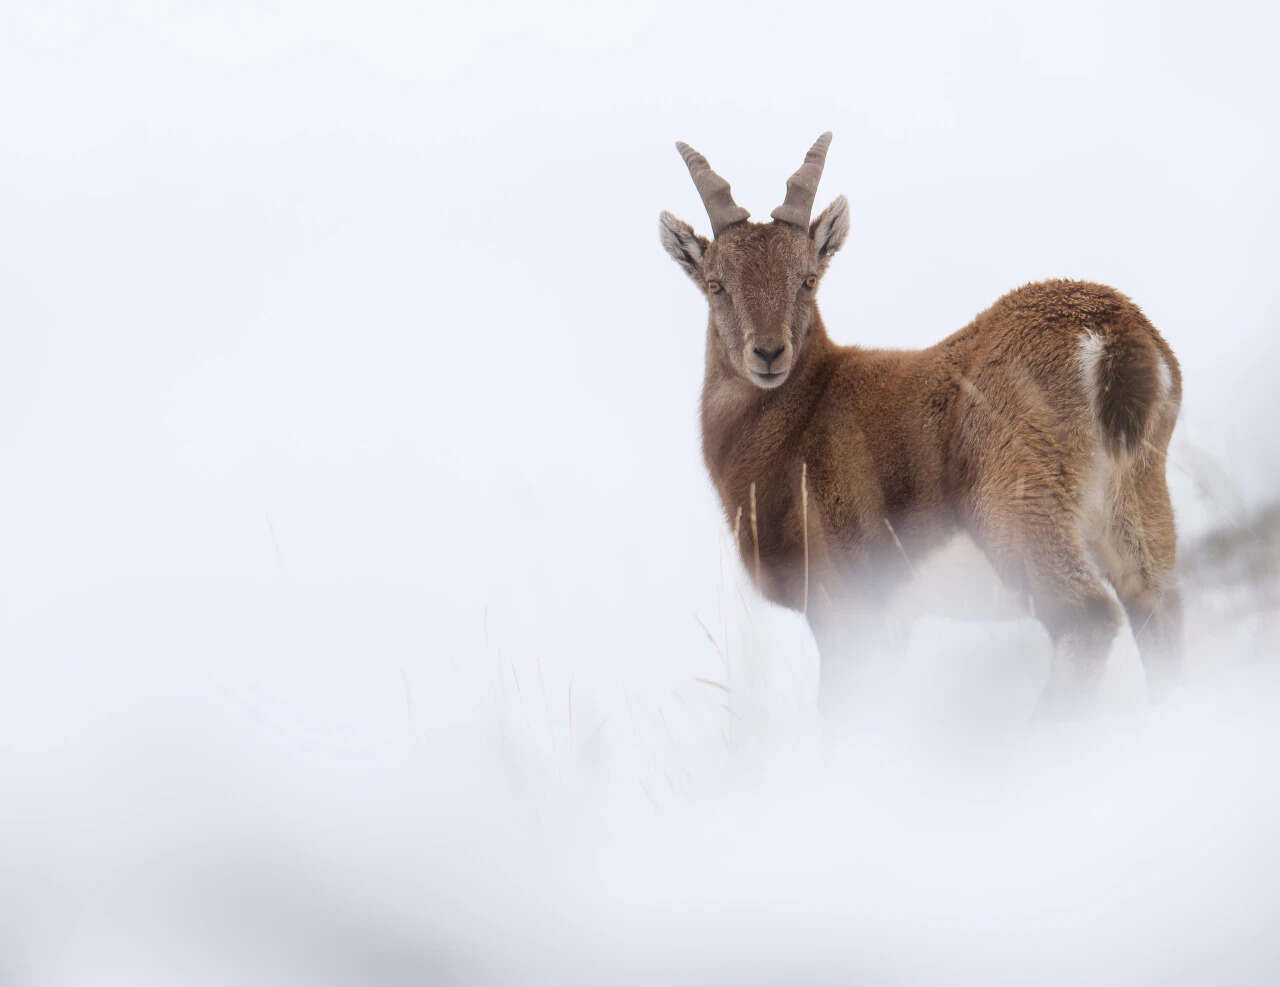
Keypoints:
(1040, 429)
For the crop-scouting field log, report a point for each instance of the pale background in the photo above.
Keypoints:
(358, 568)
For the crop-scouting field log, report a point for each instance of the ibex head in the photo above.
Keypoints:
(760, 279)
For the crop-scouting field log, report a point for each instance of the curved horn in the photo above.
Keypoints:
(803, 186)
(713, 189)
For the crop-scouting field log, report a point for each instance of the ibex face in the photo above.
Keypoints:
(760, 279)
(760, 282)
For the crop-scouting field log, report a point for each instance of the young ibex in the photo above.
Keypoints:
(1040, 429)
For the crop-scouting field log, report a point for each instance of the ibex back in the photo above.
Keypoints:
(1040, 429)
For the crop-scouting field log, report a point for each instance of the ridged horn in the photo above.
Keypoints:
(714, 190)
(802, 187)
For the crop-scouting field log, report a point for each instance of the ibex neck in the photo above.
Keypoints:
(740, 420)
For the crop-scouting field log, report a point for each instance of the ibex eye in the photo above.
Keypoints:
(811, 282)
(715, 287)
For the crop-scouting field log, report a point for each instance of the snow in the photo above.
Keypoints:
(365, 613)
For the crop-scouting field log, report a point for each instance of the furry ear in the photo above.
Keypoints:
(829, 230)
(688, 249)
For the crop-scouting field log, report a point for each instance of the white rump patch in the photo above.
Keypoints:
(1166, 378)
(1091, 347)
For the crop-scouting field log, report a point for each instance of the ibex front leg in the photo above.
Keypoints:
(853, 639)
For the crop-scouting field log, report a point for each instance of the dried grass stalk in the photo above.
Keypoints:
(804, 520)
(755, 533)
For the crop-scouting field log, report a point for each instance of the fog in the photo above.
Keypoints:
(366, 613)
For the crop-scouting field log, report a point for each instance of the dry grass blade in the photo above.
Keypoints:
(894, 535)
(804, 522)
(710, 637)
(649, 795)
(755, 533)
(275, 544)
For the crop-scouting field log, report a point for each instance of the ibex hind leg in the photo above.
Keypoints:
(1083, 629)
(1156, 618)
(1143, 543)
(1042, 553)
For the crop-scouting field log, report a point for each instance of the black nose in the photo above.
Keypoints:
(768, 356)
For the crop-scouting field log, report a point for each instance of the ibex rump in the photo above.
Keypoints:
(1040, 429)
